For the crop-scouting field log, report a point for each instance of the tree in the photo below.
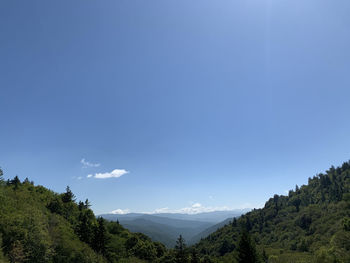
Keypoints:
(180, 251)
(85, 227)
(194, 257)
(346, 224)
(264, 256)
(161, 249)
(225, 247)
(17, 254)
(26, 181)
(15, 182)
(1, 175)
(100, 237)
(68, 196)
(296, 202)
(87, 204)
(56, 206)
(246, 249)
(234, 222)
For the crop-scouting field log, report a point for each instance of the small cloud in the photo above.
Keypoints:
(196, 205)
(79, 177)
(199, 208)
(162, 210)
(120, 211)
(195, 208)
(87, 164)
(114, 174)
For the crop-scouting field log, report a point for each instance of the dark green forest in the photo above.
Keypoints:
(311, 224)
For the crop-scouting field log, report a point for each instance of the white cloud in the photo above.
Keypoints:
(87, 164)
(199, 208)
(114, 174)
(161, 210)
(120, 211)
(79, 177)
(193, 209)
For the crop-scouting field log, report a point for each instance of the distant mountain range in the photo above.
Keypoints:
(166, 227)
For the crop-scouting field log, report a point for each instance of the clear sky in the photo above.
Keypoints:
(218, 103)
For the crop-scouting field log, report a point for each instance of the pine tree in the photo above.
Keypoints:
(15, 182)
(85, 227)
(26, 181)
(180, 251)
(100, 236)
(265, 257)
(194, 257)
(246, 249)
(87, 204)
(225, 247)
(1, 175)
(68, 196)
(17, 254)
(234, 222)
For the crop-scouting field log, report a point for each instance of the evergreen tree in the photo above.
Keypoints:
(100, 237)
(26, 181)
(194, 257)
(180, 251)
(85, 226)
(81, 205)
(346, 224)
(246, 249)
(225, 247)
(234, 222)
(265, 257)
(87, 204)
(68, 196)
(17, 254)
(55, 206)
(15, 182)
(1, 176)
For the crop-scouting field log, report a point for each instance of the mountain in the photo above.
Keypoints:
(211, 217)
(162, 229)
(209, 230)
(166, 227)
(310, 224)
(165, 234)
(208, 217)
(38, 225)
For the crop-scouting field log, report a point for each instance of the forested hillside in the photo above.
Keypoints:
(38, 225)
(311, 224)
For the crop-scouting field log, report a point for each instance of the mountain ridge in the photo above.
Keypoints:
(164, 229)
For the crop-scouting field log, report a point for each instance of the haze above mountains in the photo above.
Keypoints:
(166, 227)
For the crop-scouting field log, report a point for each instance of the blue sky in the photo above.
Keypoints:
(195, 105)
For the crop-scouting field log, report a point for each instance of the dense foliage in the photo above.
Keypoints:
(38, 225)
(311, 224)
